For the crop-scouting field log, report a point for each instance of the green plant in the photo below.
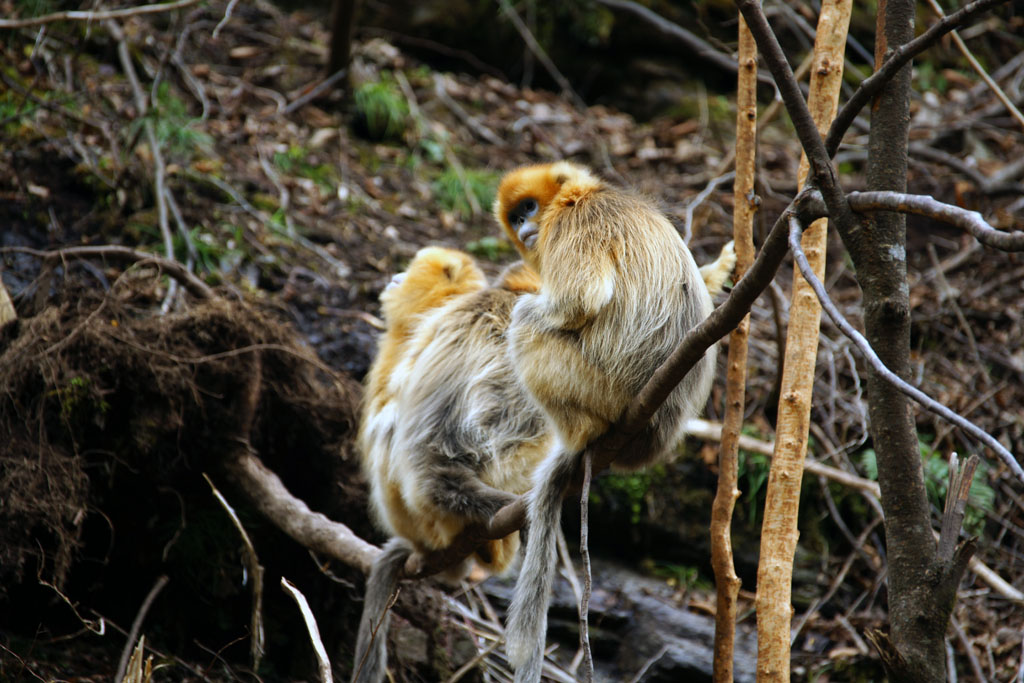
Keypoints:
(295, 161)
(630, 488)
(175, 130)
(679, 575)
(78, 394)
(490, 247)
(213, 253)
(930, 78)
(381, 111)
(12, 110)
(451, 189)
(980, 496)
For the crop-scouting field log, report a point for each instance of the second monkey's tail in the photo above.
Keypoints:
(528, 616)
(371, 645)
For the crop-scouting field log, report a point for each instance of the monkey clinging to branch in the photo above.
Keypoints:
(619, 290)
(448, 434)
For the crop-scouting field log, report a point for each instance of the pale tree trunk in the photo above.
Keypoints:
(779, 530)
(744, 207)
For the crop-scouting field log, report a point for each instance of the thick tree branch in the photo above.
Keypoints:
(890, 377)
(924, 205)
(292, 516)
(898, 58)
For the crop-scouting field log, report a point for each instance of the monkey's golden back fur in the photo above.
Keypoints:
(442, 393)
(619, 291)
(435, 276)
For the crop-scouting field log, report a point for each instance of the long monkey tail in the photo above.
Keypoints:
(371, 645)
(528, 615)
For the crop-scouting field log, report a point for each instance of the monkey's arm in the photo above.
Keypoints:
(579, 276)
(575, 393)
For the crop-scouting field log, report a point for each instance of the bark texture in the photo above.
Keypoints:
(779, 531)
(745, 206)
(918, 615)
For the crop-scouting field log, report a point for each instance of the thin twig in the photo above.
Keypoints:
(252, 564)
(474, 662)
(690, 40)
(569, 572)
(176, 270)
(449, 154)
(924, 205)
(224, 20)
(323, 663)
(540, 54)
(896, 60)
(588, 656)
(133, 634)
(979, 674)
(796, 230)
(481, 131)
(947, 295)
(745, 206)
(700, 199)
(314, 92)
(159, 167)
(979, 69)
(99, 15)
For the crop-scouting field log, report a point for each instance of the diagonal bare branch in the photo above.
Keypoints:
(690, 40)
(822, 172)
(795, 231)
(897, 59)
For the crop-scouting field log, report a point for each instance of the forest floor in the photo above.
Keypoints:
(278, 198)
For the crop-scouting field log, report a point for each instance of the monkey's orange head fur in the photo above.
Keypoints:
(526, 193)
(434, 275)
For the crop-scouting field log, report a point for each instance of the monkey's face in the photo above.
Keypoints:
(526, 197)
(522, 218)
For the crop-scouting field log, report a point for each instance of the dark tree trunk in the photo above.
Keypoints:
(922, 587)
(343, 24)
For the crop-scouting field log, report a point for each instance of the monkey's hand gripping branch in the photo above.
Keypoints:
(605, 448)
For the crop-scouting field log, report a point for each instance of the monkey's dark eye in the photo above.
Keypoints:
(525, 209)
